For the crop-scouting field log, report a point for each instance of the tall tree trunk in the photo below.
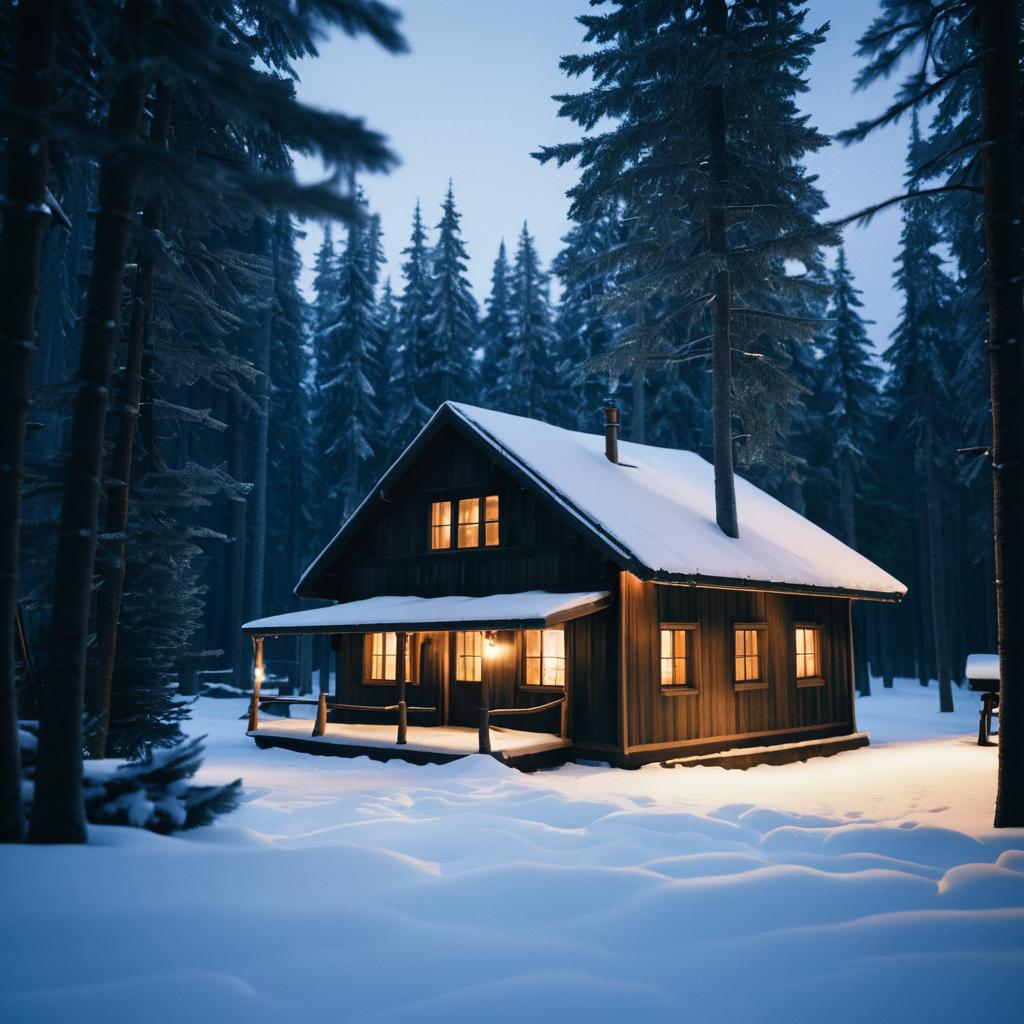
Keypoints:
(718, 240)
(937, 575)
(638, 419)
(57, 812)
(258, 546)
(25, 220)
(1000, 154)
(848, 517)
(108, 605)
(923, 605)
(885, 644)
(238, 655)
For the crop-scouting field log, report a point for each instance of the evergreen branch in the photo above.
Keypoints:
(866, 215)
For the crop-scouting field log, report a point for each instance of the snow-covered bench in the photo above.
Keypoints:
(983, 677)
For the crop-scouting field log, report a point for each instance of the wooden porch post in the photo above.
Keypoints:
(257, 679)
(320, 725)
(400, 677)
(563, 731)
(484, 744)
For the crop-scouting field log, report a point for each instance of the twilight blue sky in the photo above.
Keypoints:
(471, 100)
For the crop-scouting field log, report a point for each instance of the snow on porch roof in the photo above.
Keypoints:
(657, 507)
(534, 609)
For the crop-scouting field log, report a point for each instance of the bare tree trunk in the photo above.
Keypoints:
(57, 812)
(848, 518)
(25, 220)
(638, 419)
(937, 576)
(236, 643)
(923, 616)
(1000, 154)
(258, 547)
(721, 360)
(108, 610)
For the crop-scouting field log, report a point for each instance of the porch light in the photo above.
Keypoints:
(258, 674)
(490, 643)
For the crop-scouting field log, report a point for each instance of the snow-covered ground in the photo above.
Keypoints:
(868, 886)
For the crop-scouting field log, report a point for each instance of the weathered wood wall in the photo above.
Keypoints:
(715, 713)
(538, 550)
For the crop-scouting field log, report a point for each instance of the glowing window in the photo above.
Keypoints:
(748, 655)
(808, 652)
(675, 656)
(491, 520)
(440, 525)
(469, 656)
(383, 657)
(545, 657)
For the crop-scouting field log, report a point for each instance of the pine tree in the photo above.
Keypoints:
(584, 326)
(849, 393)
(706, 150)
(972, 71)
(447, 362)
(918, 393)
(345, 393)
(496, 329)
(526, 379)
(25, 221)
(405, 411)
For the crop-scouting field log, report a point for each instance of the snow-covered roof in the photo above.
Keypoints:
(653, 511)
(982, 666)
(533, 609)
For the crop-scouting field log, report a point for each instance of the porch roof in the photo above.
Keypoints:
(533, 609)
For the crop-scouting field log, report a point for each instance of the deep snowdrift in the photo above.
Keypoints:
(865, 885)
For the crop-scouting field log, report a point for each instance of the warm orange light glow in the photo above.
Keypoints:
(258, 674)
(490, 643)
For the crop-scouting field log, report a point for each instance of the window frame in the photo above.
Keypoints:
(431, 526)
(693, 662)
(453, 500)
(761, 683)
(412, 651)
(815, 680)
(542, 687)
(456, 633)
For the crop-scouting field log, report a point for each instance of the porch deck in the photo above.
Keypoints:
(425, 744)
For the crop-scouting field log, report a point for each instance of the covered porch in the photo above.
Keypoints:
(432, 679)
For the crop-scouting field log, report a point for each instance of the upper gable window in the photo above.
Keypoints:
(440, 525)
(477, 525)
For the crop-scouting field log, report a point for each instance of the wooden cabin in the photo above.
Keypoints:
(543, 594)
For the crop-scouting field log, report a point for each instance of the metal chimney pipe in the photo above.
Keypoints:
(611, 430)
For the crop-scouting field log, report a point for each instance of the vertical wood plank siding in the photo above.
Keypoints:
(717, 709)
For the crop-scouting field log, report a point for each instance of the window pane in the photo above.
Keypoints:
(554, 643)
(469, 522)
(741, 669)
(469, 656)
(533, 643)
(532, 671)
(441, 525)
(666, 671)
(666, 643)
(491, 519)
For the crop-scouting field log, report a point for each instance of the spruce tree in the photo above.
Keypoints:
(584, 325)
(496, 329)
(918, 395)
(526, 379)
(345, 396)
(706, 148)
(447, 362)
(405, 411)
(849, 392)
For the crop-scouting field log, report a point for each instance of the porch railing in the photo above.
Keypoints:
(486, 714)
(323, 705)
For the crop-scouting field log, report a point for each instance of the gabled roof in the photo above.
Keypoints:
(652, 513)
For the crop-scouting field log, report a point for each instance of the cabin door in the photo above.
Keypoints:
(465, 674)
